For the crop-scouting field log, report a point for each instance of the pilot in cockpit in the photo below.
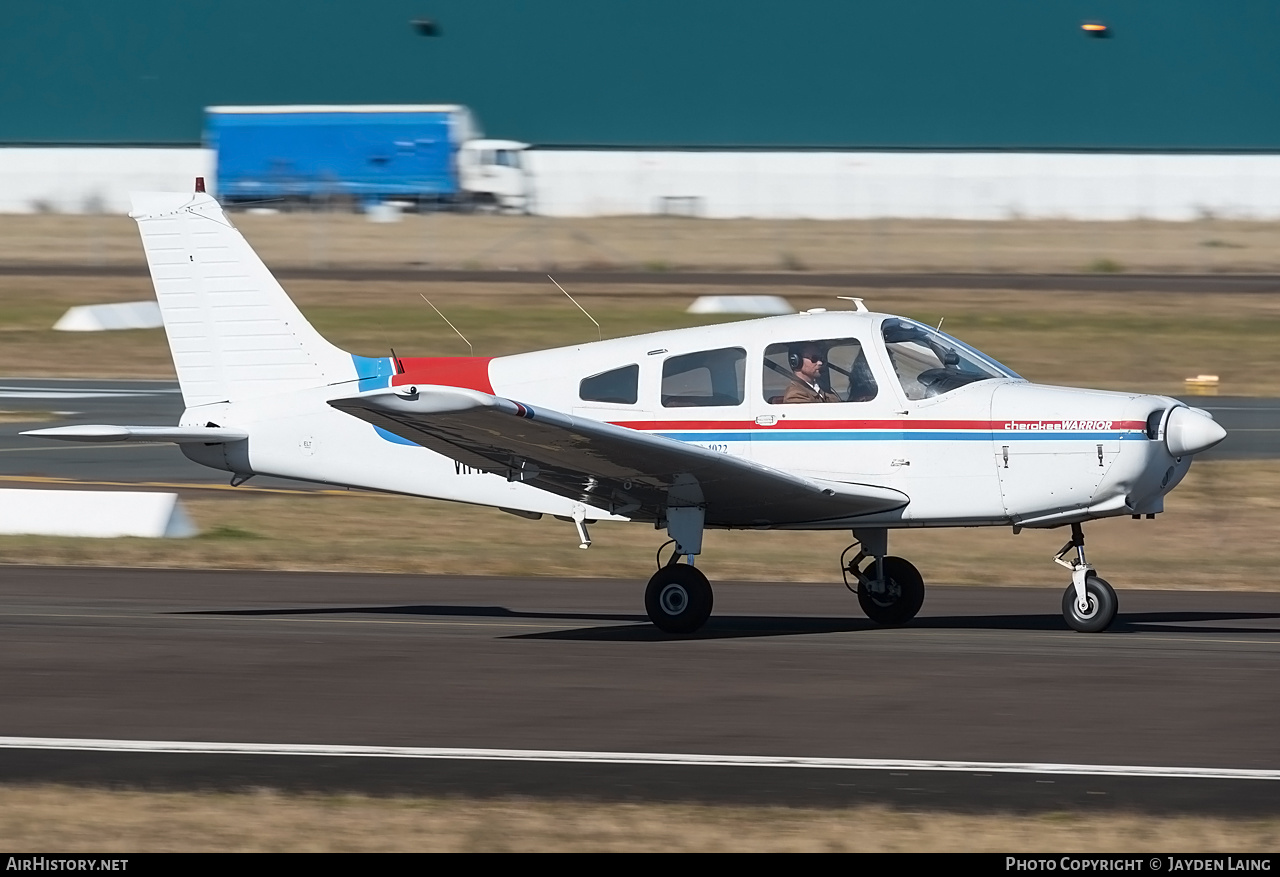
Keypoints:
(807, 362)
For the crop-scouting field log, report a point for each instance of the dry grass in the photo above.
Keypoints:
(1134, 341)
(1142, 341)
(658, 243)
(1232, 504)
(50, 818)
(26, 416)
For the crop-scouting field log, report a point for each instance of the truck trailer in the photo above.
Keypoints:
(427, 155)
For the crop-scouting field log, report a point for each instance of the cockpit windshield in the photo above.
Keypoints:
(929, 363)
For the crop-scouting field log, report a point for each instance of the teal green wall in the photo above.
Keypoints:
(1177, 74)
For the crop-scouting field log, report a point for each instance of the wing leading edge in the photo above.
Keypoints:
(610, 467)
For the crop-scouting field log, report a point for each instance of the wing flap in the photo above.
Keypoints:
(624, 471)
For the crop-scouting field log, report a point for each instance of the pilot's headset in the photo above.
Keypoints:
(795, 355)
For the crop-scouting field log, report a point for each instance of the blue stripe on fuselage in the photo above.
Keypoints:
(392, 437)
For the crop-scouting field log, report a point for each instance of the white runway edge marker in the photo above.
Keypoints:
(104, 318)
(93, 513)
(649, 758)
(741, 304)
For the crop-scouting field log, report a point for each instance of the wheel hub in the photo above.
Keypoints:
(1089, 610)
(884, 594)
(674, 599)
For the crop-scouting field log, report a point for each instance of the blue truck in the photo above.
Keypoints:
(428, 154)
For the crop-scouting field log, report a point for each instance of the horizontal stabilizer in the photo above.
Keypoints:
(176, 434)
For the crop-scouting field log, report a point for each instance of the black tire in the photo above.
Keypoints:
(903, 595)
(1102, 606)
(678, 599)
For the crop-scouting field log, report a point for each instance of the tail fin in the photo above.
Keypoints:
(233, 331)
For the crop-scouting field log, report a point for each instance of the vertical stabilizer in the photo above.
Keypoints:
(233, 331)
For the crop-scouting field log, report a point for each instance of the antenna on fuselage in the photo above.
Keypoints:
(858, 304)
(451, 326)
(599, 332)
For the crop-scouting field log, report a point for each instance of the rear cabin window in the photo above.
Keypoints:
(621, 386)
(705, 378)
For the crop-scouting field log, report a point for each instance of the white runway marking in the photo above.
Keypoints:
(652, 758)
(79, 388)
(15, 393)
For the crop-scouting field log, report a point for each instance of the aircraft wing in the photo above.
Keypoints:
(623, 471)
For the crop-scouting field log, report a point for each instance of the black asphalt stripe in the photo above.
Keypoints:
(1192, 283)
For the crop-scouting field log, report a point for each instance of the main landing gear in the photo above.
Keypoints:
(890, 590)
(678, 597)
(1089, 604)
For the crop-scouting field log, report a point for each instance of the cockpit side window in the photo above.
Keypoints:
(844, 375)
(620, 386)
(929, 363)
(708, 377)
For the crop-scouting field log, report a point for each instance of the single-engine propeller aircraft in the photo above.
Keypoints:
(840, 420)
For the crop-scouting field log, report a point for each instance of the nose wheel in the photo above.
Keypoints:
(1099, 609)
(678, 599)
(1089, 604)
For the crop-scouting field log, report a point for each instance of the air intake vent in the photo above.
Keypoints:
(1154, 419)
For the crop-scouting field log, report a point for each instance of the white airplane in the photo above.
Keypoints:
(683, 430)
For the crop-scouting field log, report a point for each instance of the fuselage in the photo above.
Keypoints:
(970, 442)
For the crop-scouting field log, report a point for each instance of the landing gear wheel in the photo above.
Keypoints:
(903, 593)
(678, 599)
(1102, 606)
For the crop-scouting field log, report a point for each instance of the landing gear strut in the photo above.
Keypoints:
(1089, 605)
(678, 597)
(890, 590)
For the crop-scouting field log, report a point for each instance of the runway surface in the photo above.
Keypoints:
(1184, 680)
(1253, 432)
(26, 461)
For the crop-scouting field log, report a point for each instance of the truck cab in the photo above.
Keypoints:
(492, 173)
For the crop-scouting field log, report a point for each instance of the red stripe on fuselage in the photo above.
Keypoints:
(983, 425)
(469, 372)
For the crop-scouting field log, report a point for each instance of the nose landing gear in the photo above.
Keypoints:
(1089, 605)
